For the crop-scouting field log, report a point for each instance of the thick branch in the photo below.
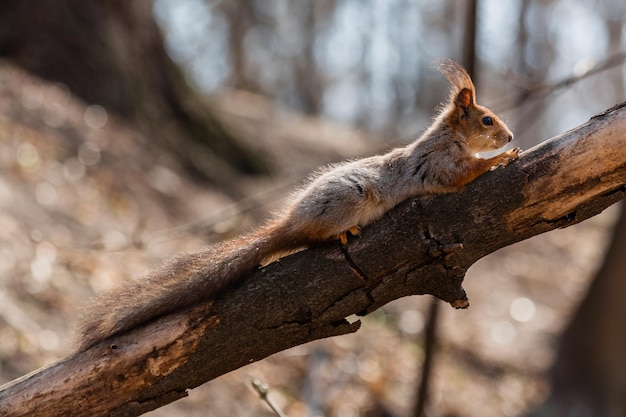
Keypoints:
(422, 246)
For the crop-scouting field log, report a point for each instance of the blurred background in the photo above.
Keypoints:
(131, 131)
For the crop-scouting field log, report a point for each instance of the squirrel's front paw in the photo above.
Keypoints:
(513, 154)
(506, 158)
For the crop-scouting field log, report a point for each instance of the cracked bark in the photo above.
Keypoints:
(423, 246)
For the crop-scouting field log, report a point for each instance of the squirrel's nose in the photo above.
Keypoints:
(510, 138)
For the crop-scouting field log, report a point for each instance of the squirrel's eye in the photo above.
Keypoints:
(487, 121)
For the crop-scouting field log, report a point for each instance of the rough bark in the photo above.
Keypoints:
(423, 246)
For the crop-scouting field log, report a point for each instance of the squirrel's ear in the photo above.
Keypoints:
(465, 99)
(462, 93)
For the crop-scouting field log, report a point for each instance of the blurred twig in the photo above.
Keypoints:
(263, 389)
(538, 92)
(205, 226)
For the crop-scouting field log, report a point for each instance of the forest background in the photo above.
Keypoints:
(131, 132)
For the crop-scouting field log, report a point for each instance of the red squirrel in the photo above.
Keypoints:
(338, 200)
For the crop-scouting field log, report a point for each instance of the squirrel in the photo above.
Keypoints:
(338, 200)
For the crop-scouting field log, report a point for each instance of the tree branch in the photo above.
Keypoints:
(424, 245)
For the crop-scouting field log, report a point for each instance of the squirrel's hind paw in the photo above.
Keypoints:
(354, 231)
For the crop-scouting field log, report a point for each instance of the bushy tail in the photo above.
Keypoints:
(183, 281)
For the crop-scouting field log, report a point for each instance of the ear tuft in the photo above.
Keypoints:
(460, 80)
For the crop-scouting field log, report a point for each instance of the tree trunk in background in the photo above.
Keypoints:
(299, 74)
(241, 17)
(536, 54)
(589, 374)
(111, 53)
